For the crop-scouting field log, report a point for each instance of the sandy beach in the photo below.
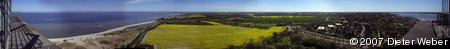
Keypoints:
(108, 39)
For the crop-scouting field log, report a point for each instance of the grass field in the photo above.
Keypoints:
(278, 19)
(216, 36)
(283, 16)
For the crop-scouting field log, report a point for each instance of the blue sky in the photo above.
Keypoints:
(226, 5)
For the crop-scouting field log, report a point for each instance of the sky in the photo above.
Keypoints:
(226, 5)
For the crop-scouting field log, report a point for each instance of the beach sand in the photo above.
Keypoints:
(108, 39)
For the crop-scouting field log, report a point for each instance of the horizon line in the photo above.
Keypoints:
(219, 11)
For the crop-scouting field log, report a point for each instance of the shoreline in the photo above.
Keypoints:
(101, 40)
(104, 32)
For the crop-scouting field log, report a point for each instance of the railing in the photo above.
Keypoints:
(20, 35)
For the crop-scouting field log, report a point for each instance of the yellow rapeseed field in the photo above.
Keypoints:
(216, 36)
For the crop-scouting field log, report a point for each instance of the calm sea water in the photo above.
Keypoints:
(57, 25)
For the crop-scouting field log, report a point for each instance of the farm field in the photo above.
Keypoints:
(278, 19)
(216, 36)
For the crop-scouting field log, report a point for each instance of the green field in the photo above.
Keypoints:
(278, 19)
(283, 16)
(216, 36)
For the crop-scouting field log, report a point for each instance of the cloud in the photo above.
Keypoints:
(140, 1)
(134, 1)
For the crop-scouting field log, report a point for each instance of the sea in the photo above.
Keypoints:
(66, 24)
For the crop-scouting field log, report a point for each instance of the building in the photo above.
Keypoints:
(5, 6)
(16, 34)
(443, 18)
(443, 21)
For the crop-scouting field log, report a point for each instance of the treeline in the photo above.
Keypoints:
(189, 22)
(386, 24)
(291, 40)
(243, 19)
(234, 19)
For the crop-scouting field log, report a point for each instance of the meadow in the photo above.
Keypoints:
(215, 36)
(278, 19)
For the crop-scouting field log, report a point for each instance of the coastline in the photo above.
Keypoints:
(104, 32)
(107, 39)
